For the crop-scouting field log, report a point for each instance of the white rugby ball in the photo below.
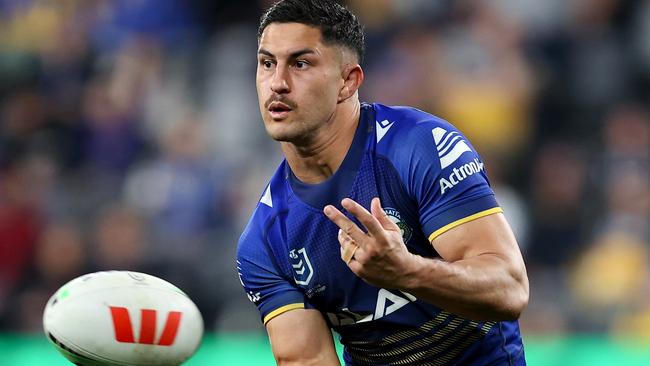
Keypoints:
(122, 318)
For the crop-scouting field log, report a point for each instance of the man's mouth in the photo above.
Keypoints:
(279, 110)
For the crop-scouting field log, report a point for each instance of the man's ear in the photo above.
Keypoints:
(352, 79)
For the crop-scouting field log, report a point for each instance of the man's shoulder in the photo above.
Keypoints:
(406, 117)
(399, 125)
(402, 131)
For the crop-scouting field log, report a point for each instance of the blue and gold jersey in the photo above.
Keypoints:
(429, 179)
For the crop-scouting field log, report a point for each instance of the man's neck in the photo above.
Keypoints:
(321, 157)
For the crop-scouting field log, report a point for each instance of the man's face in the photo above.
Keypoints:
(298, 81)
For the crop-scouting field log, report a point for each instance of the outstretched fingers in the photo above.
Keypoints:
(344, 223)
(352, 238)
(370, 222)
(379, 213)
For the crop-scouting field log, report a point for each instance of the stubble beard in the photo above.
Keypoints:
(299, 133)
(295, 133)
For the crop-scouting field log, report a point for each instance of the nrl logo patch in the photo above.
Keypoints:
(302, 269)
(395, 217)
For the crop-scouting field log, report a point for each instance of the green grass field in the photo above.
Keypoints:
(254, 350)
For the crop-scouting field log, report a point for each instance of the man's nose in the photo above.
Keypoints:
(280, 82)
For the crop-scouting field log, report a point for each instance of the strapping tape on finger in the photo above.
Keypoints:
(348, 252)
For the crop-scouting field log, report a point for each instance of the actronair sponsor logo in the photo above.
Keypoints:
(450, 145)
(459, 174)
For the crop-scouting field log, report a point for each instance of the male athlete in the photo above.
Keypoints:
(380, 223)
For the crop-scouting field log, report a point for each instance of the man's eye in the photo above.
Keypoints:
(267, 64)
(301, 64)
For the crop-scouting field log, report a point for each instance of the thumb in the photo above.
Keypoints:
(380, 215)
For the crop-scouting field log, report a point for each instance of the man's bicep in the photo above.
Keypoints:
(487, 235)
(301, 337)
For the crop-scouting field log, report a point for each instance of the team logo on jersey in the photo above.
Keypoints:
(395, 217)
(450, 145)
(302, 269)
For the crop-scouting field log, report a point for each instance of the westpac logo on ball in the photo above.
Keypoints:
(123, 327)
(122, 318)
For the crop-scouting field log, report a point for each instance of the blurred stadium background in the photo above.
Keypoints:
(130, 138)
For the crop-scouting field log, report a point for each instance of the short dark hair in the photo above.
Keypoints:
(338, 25)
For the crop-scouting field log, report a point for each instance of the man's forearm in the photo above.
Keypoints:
(482, 288)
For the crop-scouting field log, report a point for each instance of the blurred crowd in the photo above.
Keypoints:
(130, 138)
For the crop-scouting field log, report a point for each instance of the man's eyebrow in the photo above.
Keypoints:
(292, 55)
(304, 51)
(265, 52)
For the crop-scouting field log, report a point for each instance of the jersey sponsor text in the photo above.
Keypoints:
(459, 174)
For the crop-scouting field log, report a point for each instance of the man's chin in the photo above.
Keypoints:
(280, 136)
(280, 131)
(283, 137)
(288, 131)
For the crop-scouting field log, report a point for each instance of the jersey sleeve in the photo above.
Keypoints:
(445, 176)
(262, 278)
